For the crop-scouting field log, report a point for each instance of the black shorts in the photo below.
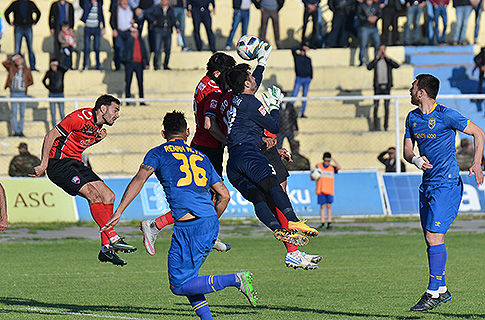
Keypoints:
(70, 174)
(215, 155)
(275, 160)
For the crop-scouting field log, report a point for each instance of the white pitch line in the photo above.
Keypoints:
(84, 314)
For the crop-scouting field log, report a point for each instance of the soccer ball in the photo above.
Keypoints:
(316, 173)
(247, 47)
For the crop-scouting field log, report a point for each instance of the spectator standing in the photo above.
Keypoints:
(199, 11)
(3, 27)
(311, 10)
(54, 82)
(68, 43)
(430, 22)
(390, 160)
(342, 21)
(299, 162)
(382, 66)
(463, 10)
(179, 11)
(325, 187)
(23, 20)
(390, 13)
(121, 19)
(162, 21)
(24, 163)
(93, 19)
(288, 124)
(368, 12)
(465, 154)
(304, 74)
(270, 10)
(19, 78)
(3, 210)
(480, 64)
(240, 16)
(61, 11)
(135, 58)
(438, 10)
(478, 7)
(414, 9)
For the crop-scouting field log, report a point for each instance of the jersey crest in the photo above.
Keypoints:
(431, 123)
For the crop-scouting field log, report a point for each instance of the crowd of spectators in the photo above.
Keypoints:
(352, 19)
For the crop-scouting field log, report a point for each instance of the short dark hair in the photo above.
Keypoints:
(65, 23)
(327, 155)
(174, 123)
(220, 61)
(428, 83)
(106, 100)
(236, 77)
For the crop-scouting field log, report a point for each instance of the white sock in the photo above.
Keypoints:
(295, 253)
(114, 239)
(442, 289)
(434, 294)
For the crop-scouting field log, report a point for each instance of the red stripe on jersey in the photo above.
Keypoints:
(81, 133)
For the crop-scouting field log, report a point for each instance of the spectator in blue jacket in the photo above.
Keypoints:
(311, 10)
(135, 58)
(199, 11)
(93, 19)
(304, 74)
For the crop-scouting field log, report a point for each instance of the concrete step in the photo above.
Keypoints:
(451, 59)
(408, 50)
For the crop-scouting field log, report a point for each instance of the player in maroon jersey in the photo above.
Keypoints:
(208, 138)
(62, 159)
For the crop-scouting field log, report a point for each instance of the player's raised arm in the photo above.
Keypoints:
(132, 190)
(479, 138)
(222, 197)
(49, 139)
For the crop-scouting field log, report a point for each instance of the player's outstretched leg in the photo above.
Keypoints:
(301, 226)
(245, 281)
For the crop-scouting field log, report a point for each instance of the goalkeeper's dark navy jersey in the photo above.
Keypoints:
(435, 134)
(248, 119)
(186, 175)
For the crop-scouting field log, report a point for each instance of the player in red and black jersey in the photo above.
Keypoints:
(62, 159)
(208, 138)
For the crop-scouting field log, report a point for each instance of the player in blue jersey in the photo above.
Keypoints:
(187, 176)
(249, 171)
(433, 127)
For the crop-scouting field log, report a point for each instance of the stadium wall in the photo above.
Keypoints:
(357, 193)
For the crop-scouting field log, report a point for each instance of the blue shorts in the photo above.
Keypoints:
(247, 167)
(325, 198)
(438, 205)
(192, 241)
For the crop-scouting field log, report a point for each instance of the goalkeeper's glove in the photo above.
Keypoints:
(263, 53)
(272, 99)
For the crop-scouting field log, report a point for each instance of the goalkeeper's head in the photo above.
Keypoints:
(175, 126)
(240, 80)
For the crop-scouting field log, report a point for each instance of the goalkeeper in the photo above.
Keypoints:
(249, 171)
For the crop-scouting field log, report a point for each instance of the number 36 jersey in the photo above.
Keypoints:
(186, 175)
(435, 134)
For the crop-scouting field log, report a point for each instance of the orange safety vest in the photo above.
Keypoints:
(325, 185)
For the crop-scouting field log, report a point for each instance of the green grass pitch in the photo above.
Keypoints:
(360, 277)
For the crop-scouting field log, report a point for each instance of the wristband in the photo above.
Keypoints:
(418, 162)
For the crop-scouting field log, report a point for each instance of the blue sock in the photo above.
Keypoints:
(205, 284)
(267, 217)
(437, 262)
(282, 202)
(200, 306)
